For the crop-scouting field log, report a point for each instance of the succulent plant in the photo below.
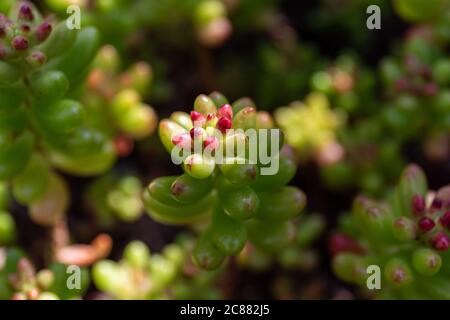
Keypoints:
(20, 281)
(406, 236)
(223, 182)
(206, 19)
(311, 128)
(113, 100)
(144, 275)
(113, 198)
(298, 255)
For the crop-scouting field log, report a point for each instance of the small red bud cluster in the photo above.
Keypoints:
(221, 120)
(17, 37)
(433, 222)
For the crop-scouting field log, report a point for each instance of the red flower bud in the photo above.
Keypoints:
(445, 220)
(37, 58)
(196, 132)
(225, 111)
(43, 31)
(441, 241)
(224, 124)
(182, 140)
(426, 224)
(436, 204)
(197, 118)
(342, 243)
(25, 28)
(401, 84)
(25, 12)
(123, 145)
(19, 43)
(430, 89)
(211, 143)
(418, 204)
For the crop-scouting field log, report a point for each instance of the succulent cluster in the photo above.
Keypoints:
(19, 279)
(298, 255)
(240, 202)
(311, 128)
(112, 198)
(207, 19)
(113, 100)
(407, 237)
(141, 275)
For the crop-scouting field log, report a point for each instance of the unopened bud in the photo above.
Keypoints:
(25, 12)
(43, 31)
(224, 124)
(19, 43)
(441, 241)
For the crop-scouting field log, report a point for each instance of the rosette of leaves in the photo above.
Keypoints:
(407, 236)
(113, 198)
(239, 202)
(298, 255)
(140, 274)
(113, 100)
(311, 128)
(19, 279)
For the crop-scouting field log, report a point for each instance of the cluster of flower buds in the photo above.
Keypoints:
(112, 197)
(40, 128)
(119, 96)
(20, 281)
(311, 128)
(21, 36)
(244, 203)
(407, 237)
(418, 84)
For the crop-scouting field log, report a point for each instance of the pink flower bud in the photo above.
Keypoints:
(182, 140)
(197, 118)
(225, 111)
(436, 204)
(224, 124)
(211, 143)
(25, 12)
(445, 220)
(342, 243)
(43, 31)
(430, 89)
(426, 224)
(441, 241)
(19, 43)
(418, 204)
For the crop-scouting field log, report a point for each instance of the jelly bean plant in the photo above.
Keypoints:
(407, 236)
(229, 198)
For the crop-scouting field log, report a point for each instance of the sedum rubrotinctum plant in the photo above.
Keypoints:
(140, 274)
(229, 186)
(407, 236)
(42, 64)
